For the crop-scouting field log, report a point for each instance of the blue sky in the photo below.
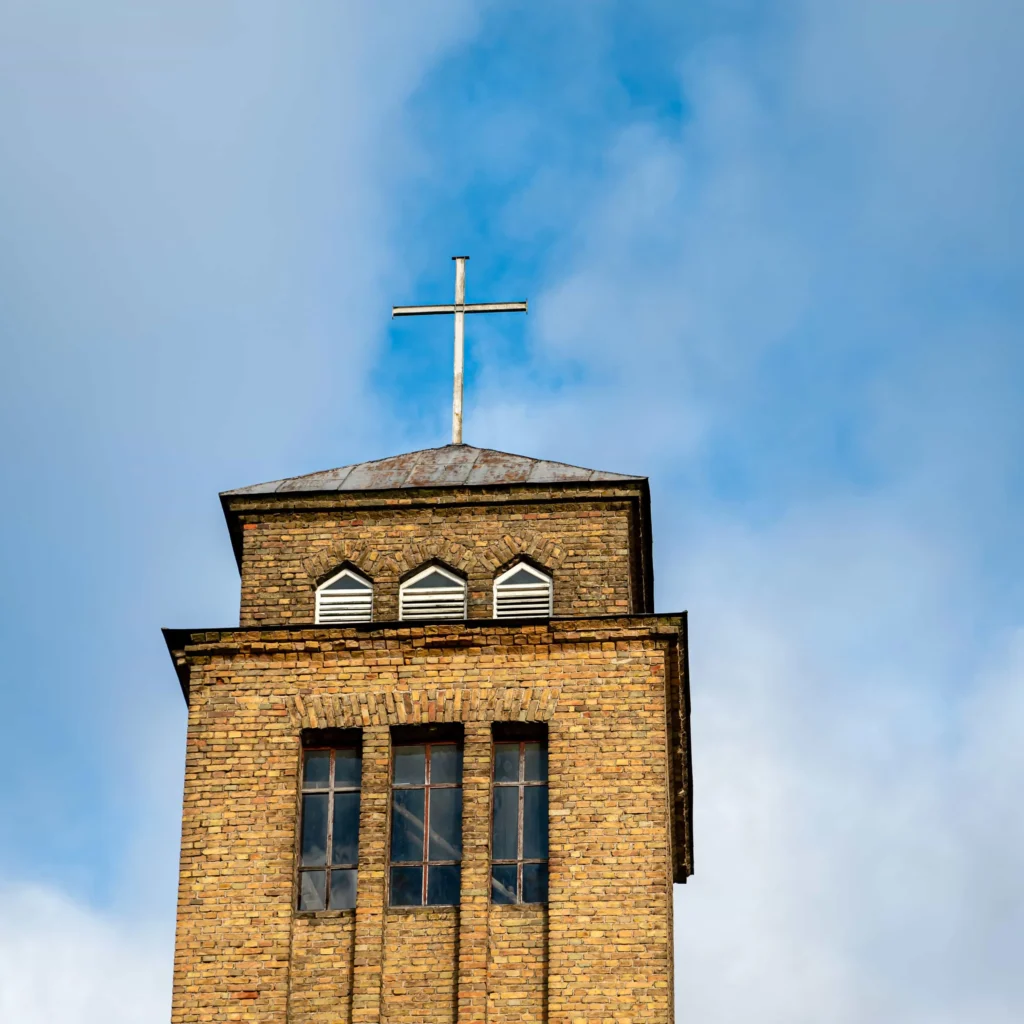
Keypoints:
(773, 257)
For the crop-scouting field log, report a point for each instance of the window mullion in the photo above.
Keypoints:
(426, 824)
(519, 824)
(330, 831)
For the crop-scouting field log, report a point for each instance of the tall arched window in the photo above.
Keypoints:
(433, 593)
(345, 597)
(522, 592)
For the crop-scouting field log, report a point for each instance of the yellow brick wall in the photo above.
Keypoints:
(588, 546)
(600, 951)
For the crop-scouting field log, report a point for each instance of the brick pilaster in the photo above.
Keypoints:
(476, 873)
(370, 897)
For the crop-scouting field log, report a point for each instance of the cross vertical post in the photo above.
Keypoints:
(460, 309)
(460, 316)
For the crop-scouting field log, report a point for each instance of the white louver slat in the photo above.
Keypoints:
(522, 592)
(433, 594)
(345, 597)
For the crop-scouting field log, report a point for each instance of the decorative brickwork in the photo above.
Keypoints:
(590, 543)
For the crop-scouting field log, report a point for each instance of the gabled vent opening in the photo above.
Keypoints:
(434, 593)
(345, 597)
(522, 592)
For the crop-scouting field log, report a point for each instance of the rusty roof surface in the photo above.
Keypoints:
(454, 465)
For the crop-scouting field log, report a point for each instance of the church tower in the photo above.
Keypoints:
(440, 771)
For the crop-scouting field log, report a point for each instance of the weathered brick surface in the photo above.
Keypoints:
(320, 988)
(420, 966)
(589, 540)
(601, 951)
(517, 963)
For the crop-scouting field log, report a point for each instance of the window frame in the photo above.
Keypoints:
(425, 863)
(345, 570)
(457, 582)
(542, 576)
(329, 791)
(521, 784)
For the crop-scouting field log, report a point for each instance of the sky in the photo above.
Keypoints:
(773, 258)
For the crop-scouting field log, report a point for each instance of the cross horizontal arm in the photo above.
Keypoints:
(495, 307)
(420, 310)
(472, 307)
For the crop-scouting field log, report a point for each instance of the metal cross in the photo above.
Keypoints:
(460, 308)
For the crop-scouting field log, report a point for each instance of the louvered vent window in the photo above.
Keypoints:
(345, 597)
(522, 592)
(433, 593)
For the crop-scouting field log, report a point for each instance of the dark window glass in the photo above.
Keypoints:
(410, 765)
(343, 887)
(406, 887)
(317, 773)
(506, 762)
(347, 582)
(329, 834)
(443, 883)
(313, 890)
(445, 764)
(426, 824)
(314, 828)
(407, 825)
(519, 837)
(503, 883)
(535, 762)
(445, 824)
(535, 822)
(505, 842)
(345, 847)
(535, 883)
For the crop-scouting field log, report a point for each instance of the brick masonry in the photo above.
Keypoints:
(612, 690)
(590, 539)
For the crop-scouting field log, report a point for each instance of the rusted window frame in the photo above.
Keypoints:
(426, 863)
(327, 867)
(521, 784)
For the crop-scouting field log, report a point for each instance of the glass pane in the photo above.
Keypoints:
(317, 774)
(406, 887)
(410, 766)
(314, 828)
(503, 883)
(445, 824)
(434, 579)
(506, 822)
(536, 762)
(445, 763)
(312, 890)
(343, 889)
(535, 822)
(348, 582)
(348, 768)
(407, 825)
(535, 883)
(506, 762)
(345, 839)
(518, 579)
(443, 885)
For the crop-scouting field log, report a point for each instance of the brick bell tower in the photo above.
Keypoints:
(440, 771)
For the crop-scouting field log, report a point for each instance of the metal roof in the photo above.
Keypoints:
(454, 465)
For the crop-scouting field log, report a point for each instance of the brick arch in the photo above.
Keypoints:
(365, 557)
(542, 550)
(440, 549)
(421, 707)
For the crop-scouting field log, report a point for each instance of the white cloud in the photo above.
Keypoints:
(857, 835)
(60, 961)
